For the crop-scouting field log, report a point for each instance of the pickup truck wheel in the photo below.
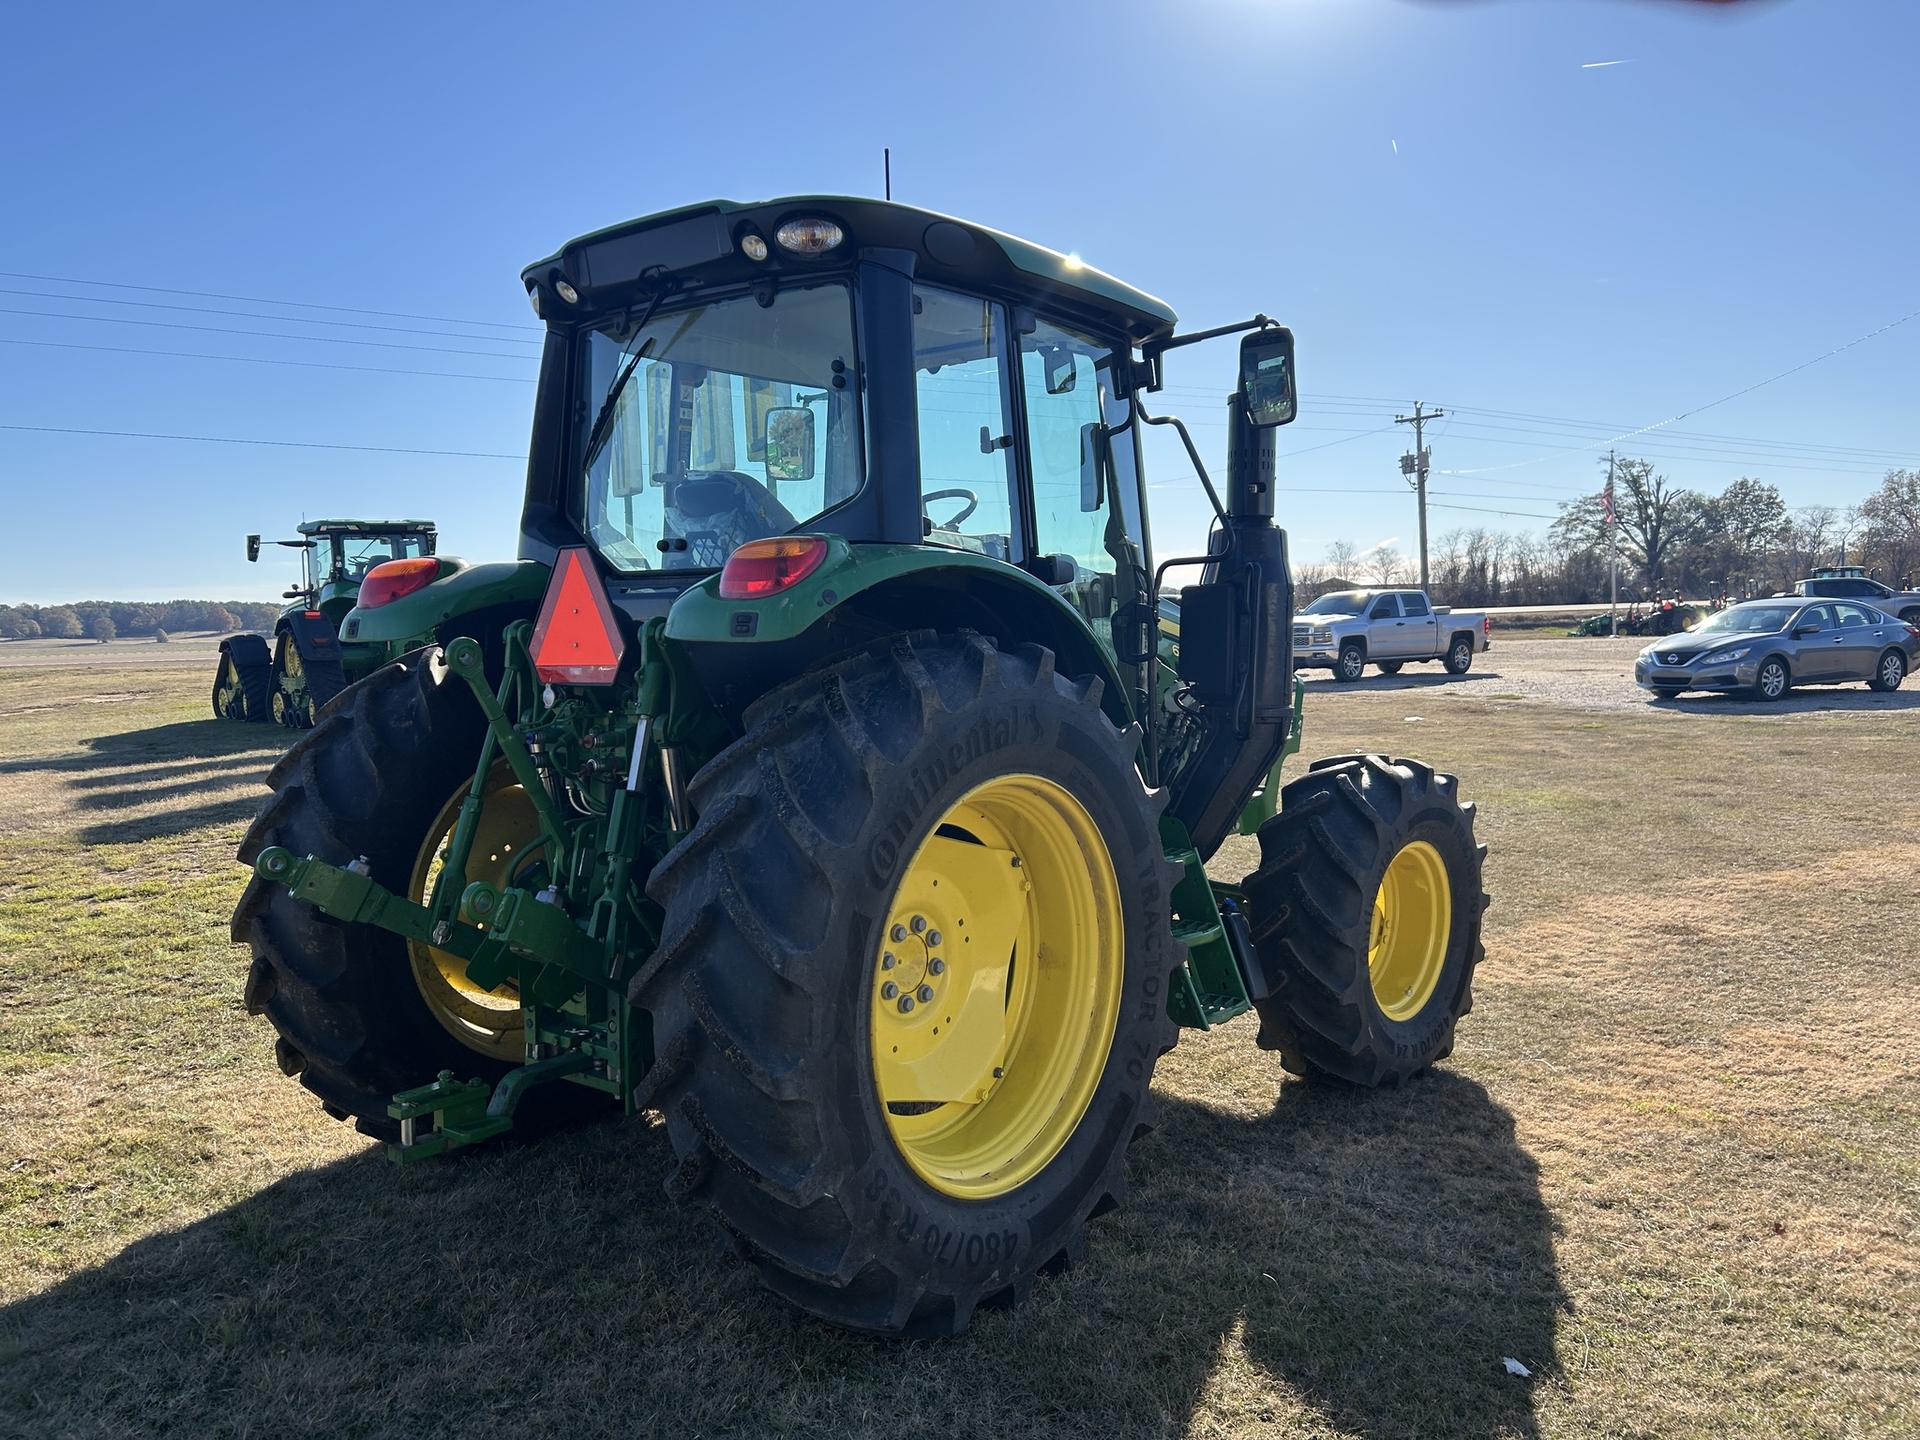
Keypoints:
(1460, 656)
(1351, 664)
(1389, 667)
(1911, 615)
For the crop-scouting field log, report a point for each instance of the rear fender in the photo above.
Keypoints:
(862, 593)
(448, 606)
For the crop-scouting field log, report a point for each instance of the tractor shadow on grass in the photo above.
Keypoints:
(1361, 1262)
(137, 785)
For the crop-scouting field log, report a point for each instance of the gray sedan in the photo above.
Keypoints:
(1766, 647)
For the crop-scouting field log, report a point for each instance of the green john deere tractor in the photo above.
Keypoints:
(305, 665)
(842, 789)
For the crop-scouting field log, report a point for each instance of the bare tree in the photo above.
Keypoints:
(1343, 559)
(1385, 565)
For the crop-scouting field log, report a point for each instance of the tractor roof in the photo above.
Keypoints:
(702, 241)
(364, 527)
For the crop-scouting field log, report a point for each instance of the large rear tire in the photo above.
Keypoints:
(895, 1152)
(1366, 918)
(360, 1013)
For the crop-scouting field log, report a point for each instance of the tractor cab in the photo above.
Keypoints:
(960, 408)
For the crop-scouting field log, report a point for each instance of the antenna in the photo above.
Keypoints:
(886, 168)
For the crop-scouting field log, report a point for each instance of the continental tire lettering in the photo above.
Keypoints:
(926, 780)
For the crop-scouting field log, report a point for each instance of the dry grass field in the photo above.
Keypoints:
(1673, 1168)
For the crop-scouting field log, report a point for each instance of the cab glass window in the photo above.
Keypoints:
(1853, 616)
(1415, 605)
(1818, 616)
(963, 385)
(1385, 608)
(737, 420)
(1086, 492)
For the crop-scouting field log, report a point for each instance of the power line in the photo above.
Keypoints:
(244, 440)
(269, 334)
(268, 360)
(254, 300)
(1734, 395)
(285, 319)
(1483, 510)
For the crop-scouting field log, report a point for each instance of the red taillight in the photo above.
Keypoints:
(391, 579)
(761, 568)
(1486, 626)
(577, 641)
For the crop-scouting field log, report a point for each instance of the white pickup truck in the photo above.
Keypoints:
(1347, 630)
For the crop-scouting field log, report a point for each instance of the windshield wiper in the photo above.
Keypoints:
(603, 421)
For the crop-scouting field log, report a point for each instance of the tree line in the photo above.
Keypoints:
(108, 619)
(1743, 541)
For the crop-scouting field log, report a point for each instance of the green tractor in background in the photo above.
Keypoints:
(288, 679)
(831, 776)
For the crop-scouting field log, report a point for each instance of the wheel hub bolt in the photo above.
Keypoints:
(886, 961)
(936, 966)
(899, 933)
(906, 1004)
(889, 990)
(919, 924)
(926, 994)
(933, 937)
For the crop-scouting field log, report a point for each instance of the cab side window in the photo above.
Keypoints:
(1415, 605)
(964, 388)
(1086, 493)
(1387, 607)
(1820, 617)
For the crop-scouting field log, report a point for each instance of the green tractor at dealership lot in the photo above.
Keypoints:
(288, 679)
(830, 775)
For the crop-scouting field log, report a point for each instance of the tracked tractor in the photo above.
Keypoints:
(842, 790)
(304, 665)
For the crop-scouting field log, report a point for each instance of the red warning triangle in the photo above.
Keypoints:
(577, 640)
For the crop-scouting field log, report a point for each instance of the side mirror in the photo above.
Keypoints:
(1800, 632)
(1057, 363)
(789, 443)
(253, 548)
(1266, 377)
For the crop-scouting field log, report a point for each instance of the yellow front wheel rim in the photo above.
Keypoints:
(1412, 917)
(485, 1021)
(995, 989)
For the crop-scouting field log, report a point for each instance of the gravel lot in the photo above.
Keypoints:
(1592, 674)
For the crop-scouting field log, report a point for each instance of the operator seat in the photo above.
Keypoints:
(716, 511)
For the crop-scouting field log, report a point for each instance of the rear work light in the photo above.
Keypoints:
(391, 579)
(577, 640)
(761, 568)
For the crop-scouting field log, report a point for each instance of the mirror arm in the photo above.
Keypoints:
(1154, 349)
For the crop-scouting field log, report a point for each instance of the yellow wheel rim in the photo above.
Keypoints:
(485, 1021)
(996, 987)
(1412, 917)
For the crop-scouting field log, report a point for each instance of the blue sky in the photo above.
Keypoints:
(1437, 197)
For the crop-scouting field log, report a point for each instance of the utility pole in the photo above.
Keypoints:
(886, 168)
(1613, 559)
(1414, 467)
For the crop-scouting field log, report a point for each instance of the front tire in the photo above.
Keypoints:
(1888, 672)
(1366, 916)
(1772, 680)
(1351, 664)
(848, 1140)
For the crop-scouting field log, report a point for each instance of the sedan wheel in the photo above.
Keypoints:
(1891, 670)
(1773, 681)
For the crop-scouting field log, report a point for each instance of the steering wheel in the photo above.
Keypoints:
(953, 493)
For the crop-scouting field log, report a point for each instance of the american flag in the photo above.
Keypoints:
(1606, 500)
